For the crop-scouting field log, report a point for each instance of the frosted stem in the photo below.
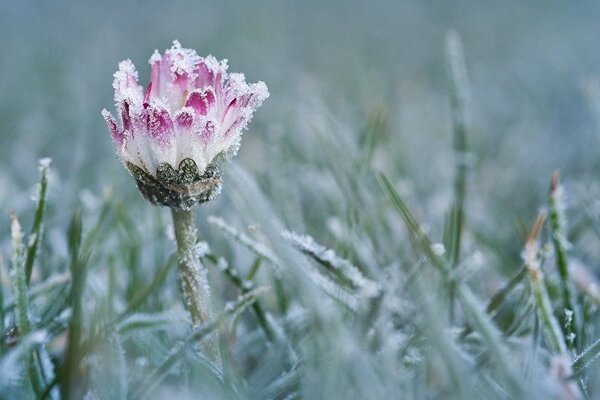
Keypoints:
(194, 282)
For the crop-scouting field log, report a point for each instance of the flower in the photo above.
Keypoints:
(174, 135)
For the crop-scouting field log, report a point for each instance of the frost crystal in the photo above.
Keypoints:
(44, 162)
(174, 134)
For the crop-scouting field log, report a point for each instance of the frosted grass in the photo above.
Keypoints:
(343, 108)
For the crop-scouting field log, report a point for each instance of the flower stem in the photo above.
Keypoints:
(194, 285)
(194, 282)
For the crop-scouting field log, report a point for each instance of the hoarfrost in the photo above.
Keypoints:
(331, 260)
(438, 249)
(258, 248)
(44, 163)
(201, 249)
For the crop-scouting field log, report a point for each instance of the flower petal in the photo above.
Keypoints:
(126, 82)
(201, 101)
(156, 121)
(184, 118)
(117, 135)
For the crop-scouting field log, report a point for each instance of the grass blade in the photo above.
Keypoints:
(341, 268)
(586, 358)
(69, 369)
(22, 312)
(257, 248)
(550, 325)
(37, 229)
(558, 225)
(459, 94)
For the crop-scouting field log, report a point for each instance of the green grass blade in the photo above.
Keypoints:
(257, 248)
(586, 358)
(549, 323)
(22, 312)
(40, 289)
(459, 94)
(37, 230)
(558, 226)
(69, 369)
(346, 272)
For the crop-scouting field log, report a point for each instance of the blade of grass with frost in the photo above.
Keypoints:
(283, 385)
(341, 268)
(147, 322)
(69, 370)
(586, 358)
(37, 229)
(500, 296)
(202, 332)
(551, 327)
(257, 248)
(441, 342)
(558, 225)
(333, 289)
(467, 299)
(459, 95)
(13, 362)
(377, 128)
(22, 312)
(245, 285)
(42, 288)
(104, 216)
(139, 298)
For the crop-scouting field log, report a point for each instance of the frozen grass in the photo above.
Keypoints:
(367, 244)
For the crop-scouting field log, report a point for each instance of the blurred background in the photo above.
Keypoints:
(334, 69)
(530, 65)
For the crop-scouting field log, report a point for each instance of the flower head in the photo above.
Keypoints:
(175, 133)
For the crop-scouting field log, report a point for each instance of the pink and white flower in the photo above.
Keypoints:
(174, 133)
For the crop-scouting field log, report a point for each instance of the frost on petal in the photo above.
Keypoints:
(182, 64)
(116, 134)
(191, 109)
(201, 101)
(211, 72)
(157, 123)
(126, 82)
(147, 94)
(125, 109)
(208, 131)
(184, 118)
(259, 93)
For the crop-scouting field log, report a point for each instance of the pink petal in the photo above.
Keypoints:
(155, 73)
(125, 115)
(184, 119)
(232, 106)
(235, 127)
(208, 131)
(201, 102)
(117, 135)
(126, 82)
(147, 94)
(158, 124)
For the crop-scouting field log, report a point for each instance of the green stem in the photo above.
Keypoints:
(193, 275)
